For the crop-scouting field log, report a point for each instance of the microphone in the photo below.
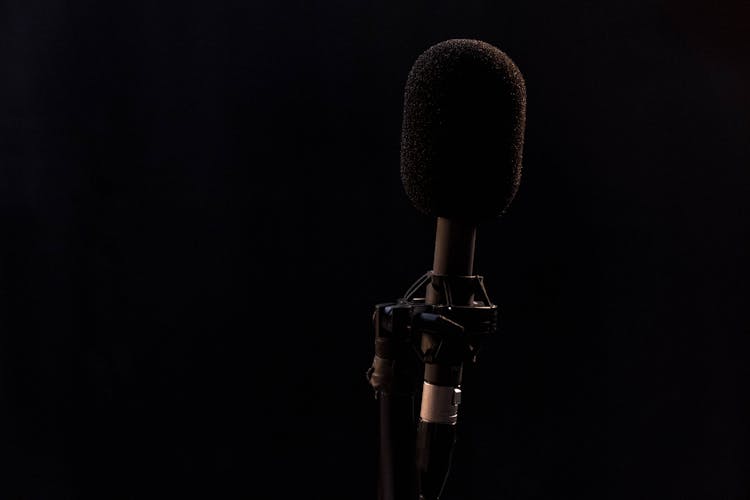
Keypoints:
(461, 151)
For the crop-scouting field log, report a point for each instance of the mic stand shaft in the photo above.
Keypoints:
(392, 376)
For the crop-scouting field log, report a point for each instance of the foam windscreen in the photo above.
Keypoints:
(463, 130)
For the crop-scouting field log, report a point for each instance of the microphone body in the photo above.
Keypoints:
(455, 240)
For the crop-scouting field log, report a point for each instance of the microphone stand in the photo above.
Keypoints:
(410, 468)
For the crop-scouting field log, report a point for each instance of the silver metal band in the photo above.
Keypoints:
(440, 404)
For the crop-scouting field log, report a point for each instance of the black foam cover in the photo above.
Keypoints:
(463, 128)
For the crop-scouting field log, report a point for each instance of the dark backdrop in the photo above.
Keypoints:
(200, 204)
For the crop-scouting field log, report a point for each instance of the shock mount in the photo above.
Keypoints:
(409, 336)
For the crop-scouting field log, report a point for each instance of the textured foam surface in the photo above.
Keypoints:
(463, 127)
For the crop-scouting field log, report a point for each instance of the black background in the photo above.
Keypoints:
(200, 204)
